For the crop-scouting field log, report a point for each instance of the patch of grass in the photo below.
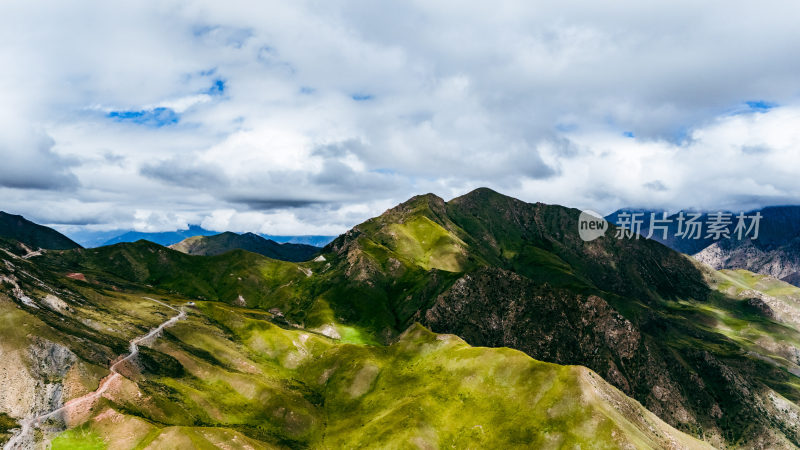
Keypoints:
(6, 423)
(81, 438)
(353, 335)
(428, 244)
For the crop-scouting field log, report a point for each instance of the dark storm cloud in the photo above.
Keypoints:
(267, 202)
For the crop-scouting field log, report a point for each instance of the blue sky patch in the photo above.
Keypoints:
(217, 88)
(156, 117)
(752, 106)
(628, 134)
(760, 105)
(361, 97)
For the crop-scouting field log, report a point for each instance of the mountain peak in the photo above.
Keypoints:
(422, 200)
(429, 205)
(485, 197)
(483, 192)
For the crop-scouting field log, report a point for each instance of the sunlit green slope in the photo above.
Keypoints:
(236, 377)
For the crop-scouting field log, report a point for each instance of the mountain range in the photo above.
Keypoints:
(167, 238)
(775, 252)
(482, 321)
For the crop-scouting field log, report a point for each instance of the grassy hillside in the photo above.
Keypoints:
(236, 377)
(273, 387)
(235, 277)
(766, 316)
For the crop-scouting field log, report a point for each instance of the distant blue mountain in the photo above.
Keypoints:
(163, 238)
(91, 238)
(315, 240)
(167, 238)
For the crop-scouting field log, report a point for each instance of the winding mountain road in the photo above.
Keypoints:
(26, 425)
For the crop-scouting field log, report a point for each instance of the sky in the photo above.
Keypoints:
(308, 117)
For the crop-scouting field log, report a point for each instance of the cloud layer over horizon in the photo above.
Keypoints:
(308, 117)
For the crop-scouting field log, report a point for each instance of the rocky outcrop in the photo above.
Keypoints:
(781, 262)
(502, 308)
(33, 378)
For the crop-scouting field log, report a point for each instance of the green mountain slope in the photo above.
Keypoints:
(518, 275)
(33, 235)
(233, 377)
(225, 242)
(504, 273)
(774, 340)
(236, 277)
